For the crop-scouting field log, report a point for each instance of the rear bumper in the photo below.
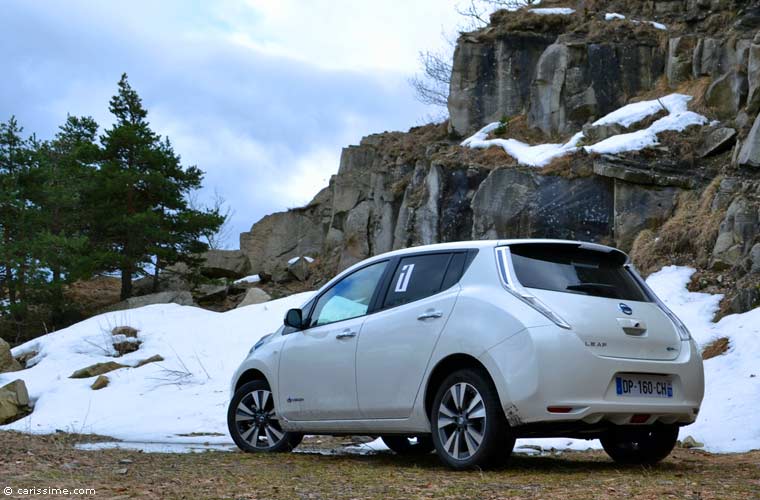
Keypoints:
(546, 367)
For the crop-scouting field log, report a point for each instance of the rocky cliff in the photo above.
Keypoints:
(691, 199)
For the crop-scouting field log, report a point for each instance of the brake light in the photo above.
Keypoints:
(559, 409)
(640, 418)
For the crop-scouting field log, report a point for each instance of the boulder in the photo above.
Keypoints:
(100, 383)
(125, 345)
(727, 93)
(14, 401)
(7, 362)
(716, 141)
(183, 298)
(156, 358)
(211, 292)
(749, 154)
(690, 442)
(736, 234)
(127, 331)
(300, 268)
(97, 369)
(225, 264)
(254, 296)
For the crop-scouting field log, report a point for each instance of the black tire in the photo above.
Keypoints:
(252, 421)
(485, 419)
(402, 445)
(640, 445)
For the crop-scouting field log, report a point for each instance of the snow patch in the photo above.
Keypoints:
(161, 402)
(296, 259)
(254, 278)
(555, 11)
(611, 16)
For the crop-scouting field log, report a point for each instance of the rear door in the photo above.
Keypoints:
(598, 297)
(396, 342)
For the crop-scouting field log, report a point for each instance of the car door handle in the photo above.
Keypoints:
(345, 334)
(430, 315)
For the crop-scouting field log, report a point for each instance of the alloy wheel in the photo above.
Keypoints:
(461, 421)
(256, 420)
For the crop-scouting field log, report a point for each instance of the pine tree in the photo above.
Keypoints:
(17, 218)
(141, 217)
(65, 168)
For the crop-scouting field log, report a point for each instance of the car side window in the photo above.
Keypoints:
(349, 298)
(417, 277)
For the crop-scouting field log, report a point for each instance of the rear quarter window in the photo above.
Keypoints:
(570, 269)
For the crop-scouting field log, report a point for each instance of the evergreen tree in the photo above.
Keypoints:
(17, 219)
(141, 216)
(65, 168)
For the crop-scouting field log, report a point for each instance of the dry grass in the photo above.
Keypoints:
(51, 461)
(686, 238)
(715, 348)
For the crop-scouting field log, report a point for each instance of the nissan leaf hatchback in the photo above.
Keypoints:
(464, 347)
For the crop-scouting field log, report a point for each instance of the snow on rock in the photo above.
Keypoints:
(556, 11)
(611, 16)
(186, 393)
(296, 259)
(254, 278)
(677, 119)
(525, 154)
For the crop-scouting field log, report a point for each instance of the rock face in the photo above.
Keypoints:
(553, 75)
(493, 80)
(7, 362)
(523, 62)
(225, 264)
(14, 402)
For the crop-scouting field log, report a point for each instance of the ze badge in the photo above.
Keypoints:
(403, 278)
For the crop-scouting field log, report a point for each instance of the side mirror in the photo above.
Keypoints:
(294, 319)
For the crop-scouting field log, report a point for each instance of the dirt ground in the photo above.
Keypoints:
(39, 462)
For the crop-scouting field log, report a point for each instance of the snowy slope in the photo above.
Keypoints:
(188, 392)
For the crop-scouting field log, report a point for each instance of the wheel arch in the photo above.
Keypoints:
(250, 375)
(447, 366)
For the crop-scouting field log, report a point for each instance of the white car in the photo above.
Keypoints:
(464, 347)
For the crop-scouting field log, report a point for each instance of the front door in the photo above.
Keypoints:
(317, 373)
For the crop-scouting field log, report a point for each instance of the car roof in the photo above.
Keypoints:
(459, 245)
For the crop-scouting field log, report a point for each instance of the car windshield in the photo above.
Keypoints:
(571, 269)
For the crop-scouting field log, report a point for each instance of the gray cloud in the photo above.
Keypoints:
(266, 127)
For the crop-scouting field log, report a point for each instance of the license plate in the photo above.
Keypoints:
(644, 386)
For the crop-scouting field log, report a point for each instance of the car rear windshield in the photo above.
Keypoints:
(572, 269)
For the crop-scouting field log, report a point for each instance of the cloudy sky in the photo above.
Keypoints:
(261, 94)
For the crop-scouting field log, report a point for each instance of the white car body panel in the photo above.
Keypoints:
(366, 384)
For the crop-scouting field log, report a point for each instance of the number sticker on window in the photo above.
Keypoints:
(403, 278)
